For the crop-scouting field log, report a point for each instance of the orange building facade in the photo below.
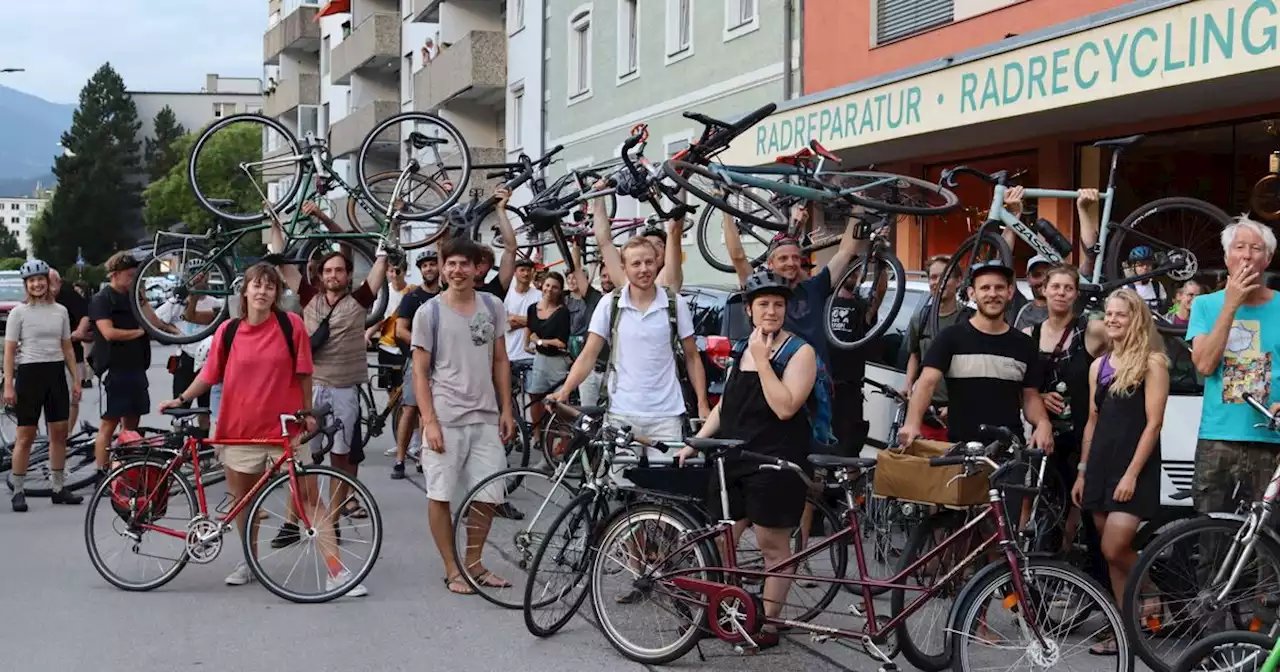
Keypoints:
(1028, 85)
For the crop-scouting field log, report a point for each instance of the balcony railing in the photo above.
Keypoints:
(375, 43)
(303, 89)
(473, 68)
(296, 30)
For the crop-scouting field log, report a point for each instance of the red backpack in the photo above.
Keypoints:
(132, 490)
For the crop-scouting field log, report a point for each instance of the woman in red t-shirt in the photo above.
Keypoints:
(261, 380)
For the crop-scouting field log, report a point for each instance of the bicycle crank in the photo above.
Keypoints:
(204, 541)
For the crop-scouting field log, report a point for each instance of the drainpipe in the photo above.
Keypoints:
(800, 21)
(787, 28)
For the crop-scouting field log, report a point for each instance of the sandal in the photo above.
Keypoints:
(1154, 613)
(490, 580)
(1106, 647)
(457, 586)
(355, 510)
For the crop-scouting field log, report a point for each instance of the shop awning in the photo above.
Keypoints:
(1130, 53)
(334, 7)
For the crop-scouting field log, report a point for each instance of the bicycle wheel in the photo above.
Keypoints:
(711, 242)
(989, 626)
(434, 144)
(1178, 229)
(955, 277)
(1170, 595)
(1264, 199)
(417, 193)
(888, 192)
(114, 535)
(361, 254)
(518, 448)
(625, 588)
(235, 158)
(512, 532)
(175, 273)
(1227, 652)
(327, 558)
(884, 526)
(863, 279)
(78, 471)
(557, 582)
(747, 203)
(923, 635)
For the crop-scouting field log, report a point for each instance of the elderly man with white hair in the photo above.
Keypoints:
(1235, 337)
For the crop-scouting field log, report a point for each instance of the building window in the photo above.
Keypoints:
(628, 40)
(33, 206)
(679, 30)
(896, 19)
(517, 15)
(675, 146)
(308, 120)
(580, 54)
(324, 120)
(221, 110)
(517, 116)
(406, 78)
(324, 56)
(13, 206)
(14, 220)
(740, 17)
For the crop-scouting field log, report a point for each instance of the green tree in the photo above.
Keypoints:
(170, 199)
(12, 263)
(9, 246)
(160, 153)
(96, 199)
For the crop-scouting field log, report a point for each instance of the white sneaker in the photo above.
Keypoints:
(240, 576)
(342, 578)
(390, 451)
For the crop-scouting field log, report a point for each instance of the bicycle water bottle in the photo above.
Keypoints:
(1061, 388)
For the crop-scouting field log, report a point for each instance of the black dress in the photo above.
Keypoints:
(766, 498)
(1068, 365)
(1121, 421)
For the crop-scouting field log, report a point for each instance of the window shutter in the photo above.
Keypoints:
(896, 19)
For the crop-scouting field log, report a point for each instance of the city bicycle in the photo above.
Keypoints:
(1040, 612)
(1239, 651)
(1207, 574)
(1152, 225)
(145, 500)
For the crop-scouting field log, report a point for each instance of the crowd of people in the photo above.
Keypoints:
(1092, 388)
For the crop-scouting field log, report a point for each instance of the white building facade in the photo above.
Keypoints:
(18, 213)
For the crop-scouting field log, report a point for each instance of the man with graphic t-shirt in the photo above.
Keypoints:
(992, 370)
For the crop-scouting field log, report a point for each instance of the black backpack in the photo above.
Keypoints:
(286, 326)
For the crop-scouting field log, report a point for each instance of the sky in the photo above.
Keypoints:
(155, 45)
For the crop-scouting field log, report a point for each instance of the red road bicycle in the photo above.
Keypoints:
(1040, 613)
(147, 516)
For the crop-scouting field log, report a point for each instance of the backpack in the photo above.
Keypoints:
(132, 490)
(682, 375)
(433, 310)
(229, 335)
(821, 399)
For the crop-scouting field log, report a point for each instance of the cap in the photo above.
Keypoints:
(994, 265)
(429, 255)
(524, 263)
(1036, 261)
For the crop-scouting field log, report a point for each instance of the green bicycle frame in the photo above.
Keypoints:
(1273, 660)
(747, 176)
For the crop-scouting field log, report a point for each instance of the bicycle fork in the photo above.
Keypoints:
(1249, 535)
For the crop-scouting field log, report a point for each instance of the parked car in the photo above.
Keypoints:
(12, 292)
(718, 319)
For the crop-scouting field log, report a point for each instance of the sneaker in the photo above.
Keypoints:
(99, 477)
(397, 471)
(505, 510)
(341, 578)
(65, 496)
(390, 452)
(288, 536)
(240, 576)
(20, 502)
(415, 452)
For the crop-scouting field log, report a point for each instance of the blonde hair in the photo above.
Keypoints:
(635, 243)
(1138, 347)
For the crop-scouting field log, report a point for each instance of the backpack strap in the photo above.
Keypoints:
(676, 350)
(433, 312)
(286, 326)
(614, 314)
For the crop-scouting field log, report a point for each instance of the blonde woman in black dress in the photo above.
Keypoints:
(1119, 471)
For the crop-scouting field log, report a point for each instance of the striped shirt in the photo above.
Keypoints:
(341, 361)
(986, 375)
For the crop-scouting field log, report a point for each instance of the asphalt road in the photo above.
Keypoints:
(58, 615)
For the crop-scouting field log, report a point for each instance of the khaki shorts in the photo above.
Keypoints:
(249, 459)
(471, 454)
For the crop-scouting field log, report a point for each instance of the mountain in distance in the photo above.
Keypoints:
(30, 129)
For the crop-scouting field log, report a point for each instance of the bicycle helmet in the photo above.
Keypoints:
(765, 281)
(429, 255)
(1141, 253)
(654, 230)
(34, 267)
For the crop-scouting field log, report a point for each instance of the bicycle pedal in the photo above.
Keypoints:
(889, 667)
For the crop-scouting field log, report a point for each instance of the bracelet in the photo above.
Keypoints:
(1080, 467)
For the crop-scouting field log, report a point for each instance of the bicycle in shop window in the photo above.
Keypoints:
(1169, 227)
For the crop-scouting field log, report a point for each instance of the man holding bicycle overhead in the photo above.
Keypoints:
(1235, 345)
(499, 285)
(670, 257)
(992, 371)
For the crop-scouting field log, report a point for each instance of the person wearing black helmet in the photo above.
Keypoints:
(992, 371)
(407, 440)
(763, 408)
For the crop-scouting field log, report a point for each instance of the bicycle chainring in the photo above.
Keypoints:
(733, 611)
(1190, 265)
(204, 540)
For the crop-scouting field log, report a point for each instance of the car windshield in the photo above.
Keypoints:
(11, 289)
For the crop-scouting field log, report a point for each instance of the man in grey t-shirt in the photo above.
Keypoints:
(459, 365)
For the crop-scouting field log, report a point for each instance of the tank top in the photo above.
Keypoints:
(1068, 364)
(745, 415)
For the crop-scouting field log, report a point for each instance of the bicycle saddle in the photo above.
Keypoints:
(708, 445)
(187, 412)
(543, 219)
(420, 141)
(1119, 143)
(835, 461)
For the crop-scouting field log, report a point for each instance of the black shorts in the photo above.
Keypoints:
(182, 379)
(390, 379)
(126, 395)
(41, 387)
(765, 498)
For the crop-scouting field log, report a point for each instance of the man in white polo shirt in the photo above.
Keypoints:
(643, 380)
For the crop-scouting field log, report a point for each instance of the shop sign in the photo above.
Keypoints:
(1192, 42)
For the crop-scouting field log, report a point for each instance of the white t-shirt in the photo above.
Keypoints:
(517, 304)
(171, 312)
(1152, 292)
(645, 382)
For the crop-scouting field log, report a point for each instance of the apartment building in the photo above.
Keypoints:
(611, 65)
(18, 212)
(218, 97)
(917, 86)
(525, 117)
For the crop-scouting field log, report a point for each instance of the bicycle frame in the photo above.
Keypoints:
(748, 176)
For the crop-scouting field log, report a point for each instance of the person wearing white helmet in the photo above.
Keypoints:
(37, 349)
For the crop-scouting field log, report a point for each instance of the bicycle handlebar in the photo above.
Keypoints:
(1273, 420)
(949, 176)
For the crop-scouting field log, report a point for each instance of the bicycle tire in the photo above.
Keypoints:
(286, 197)
(885, 317)
(1164, 545)
(959, 265)
(1255, 646)
(309, 250)
(455, 136)
(80, 470)
(678, 171)
(922, 539)
(104, 491)
(354, 209)
(578, 511)
(832, 181)
(189, 251)
(707, 240)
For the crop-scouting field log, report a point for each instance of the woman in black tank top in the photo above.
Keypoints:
(764, 407)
